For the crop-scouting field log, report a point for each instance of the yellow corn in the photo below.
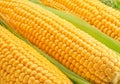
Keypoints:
(21, 64)
(72, 47)
(94, 12)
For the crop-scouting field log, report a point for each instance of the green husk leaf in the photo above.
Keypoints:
(108, 2)
(112, 3)
(82, 25)
(74, 77)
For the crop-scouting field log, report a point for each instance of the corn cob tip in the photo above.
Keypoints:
(116, 80)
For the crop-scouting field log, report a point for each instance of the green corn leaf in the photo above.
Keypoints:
(112, 3)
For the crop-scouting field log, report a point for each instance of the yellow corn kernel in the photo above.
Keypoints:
(101, 16)
(21, 64)
(72, 47)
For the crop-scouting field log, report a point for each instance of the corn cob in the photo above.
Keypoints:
(76, 79)
(84, 26)
(74, 49)
(105, 18)
(20, 64)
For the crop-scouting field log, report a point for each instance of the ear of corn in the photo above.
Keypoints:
(74, 77)
(100, 36)
(92, 11)
(19, 63)
(74, 49)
